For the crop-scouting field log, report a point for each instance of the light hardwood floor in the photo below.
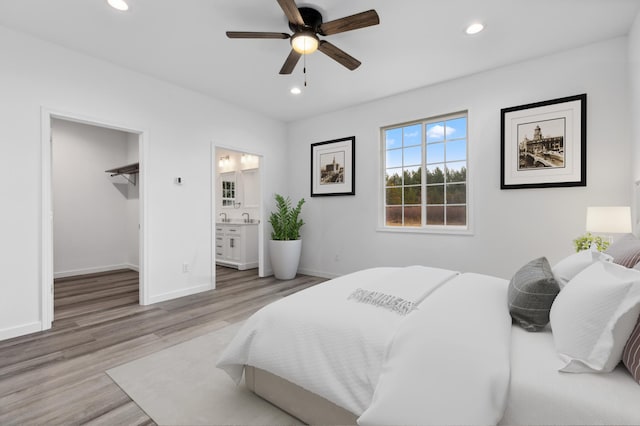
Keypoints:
(58, 376)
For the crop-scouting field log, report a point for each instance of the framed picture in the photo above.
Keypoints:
(333, 167)
(544, 144)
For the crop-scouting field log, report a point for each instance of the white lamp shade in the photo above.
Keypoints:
(610, 220)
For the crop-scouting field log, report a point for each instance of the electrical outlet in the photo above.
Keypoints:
(185, 267)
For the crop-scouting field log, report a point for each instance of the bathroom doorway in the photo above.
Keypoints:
(237, 213)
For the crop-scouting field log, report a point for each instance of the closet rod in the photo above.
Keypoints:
(129, 169)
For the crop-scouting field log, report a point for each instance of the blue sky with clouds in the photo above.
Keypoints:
(409, 138)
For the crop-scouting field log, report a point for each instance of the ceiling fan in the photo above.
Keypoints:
(306, 24)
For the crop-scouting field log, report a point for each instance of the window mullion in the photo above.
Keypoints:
(446, 181)
(423, 177)
(402, 182)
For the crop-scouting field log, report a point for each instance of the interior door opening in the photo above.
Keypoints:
(237, 212)
(92, 245)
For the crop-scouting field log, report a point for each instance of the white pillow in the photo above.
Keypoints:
(593, 317)
(572, 265)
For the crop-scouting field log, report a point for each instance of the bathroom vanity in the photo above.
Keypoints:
(237, 244)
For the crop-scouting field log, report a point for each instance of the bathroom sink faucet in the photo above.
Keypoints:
(247, 219)
(224, 219)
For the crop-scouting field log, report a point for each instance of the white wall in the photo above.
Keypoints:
(90, 207)
(634, 85)
(179, 128)
(510, 227)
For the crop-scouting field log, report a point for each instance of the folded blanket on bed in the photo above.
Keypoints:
(404, 293)
(387, 301)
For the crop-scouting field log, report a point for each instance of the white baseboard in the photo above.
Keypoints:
(318, 273)
(132, 267)
(94, 270)
(21, 330)
(179, 293)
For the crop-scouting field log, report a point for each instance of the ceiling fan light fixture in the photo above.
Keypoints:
(305, 42)
(118, 5)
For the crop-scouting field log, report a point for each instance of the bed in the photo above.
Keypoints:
(419, 345)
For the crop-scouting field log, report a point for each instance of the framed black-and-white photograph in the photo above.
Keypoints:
(333, 167)
(544, 144)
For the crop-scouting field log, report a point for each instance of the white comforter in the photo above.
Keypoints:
(539, 394)
(445, 362)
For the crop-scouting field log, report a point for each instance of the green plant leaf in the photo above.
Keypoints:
(585, 241)
(285, 221)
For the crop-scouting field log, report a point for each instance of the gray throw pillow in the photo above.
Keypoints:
(532, 291)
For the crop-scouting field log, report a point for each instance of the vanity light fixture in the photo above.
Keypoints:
(295, 91)
(120, 5)
(474, 28)
(223, 161)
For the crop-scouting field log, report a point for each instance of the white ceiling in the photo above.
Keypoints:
(418, 43)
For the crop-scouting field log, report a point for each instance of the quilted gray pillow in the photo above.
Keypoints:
(532, 291)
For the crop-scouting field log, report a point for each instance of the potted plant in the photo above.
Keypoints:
(585, 242)
(285, 245)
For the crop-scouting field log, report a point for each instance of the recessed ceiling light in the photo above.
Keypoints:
(118, 4)
(474, 28)
(295, 90)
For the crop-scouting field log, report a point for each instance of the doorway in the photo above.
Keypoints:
(93, 209)
(95, 203)
(237, 212)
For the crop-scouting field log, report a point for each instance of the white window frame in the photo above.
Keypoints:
(424, 228)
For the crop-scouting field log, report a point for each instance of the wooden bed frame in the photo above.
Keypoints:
(299, 402)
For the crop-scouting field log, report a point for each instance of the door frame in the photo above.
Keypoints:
(47, 274)
(261, 226)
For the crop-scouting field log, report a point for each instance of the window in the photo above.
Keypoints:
(425, 174)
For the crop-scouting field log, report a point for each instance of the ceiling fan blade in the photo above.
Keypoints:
(338, 55)
(255, 34)
(290, 63)
(348, 23)
(290, 9)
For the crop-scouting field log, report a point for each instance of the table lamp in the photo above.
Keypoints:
(609, 220)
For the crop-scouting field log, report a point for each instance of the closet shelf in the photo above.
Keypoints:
(129, 169)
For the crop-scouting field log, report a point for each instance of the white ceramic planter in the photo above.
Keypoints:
(285, 257)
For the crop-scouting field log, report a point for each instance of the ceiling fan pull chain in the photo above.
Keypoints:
(304, 70)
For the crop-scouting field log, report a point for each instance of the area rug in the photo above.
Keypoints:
(181, 385)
